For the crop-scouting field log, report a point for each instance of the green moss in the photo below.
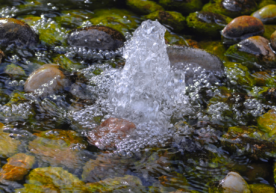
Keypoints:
(8, 146)
(265, 3)
(184, 7)
(214, 47)
(215, 6)
(267, 122)
(144, 6)
(261, 188)
(171, 18)
(17, 98)
(238, 73)
(175, 39)
(73, 18)
(269, 29)
(67, 63)
(205, 28)
(118, 19)
(271, 81)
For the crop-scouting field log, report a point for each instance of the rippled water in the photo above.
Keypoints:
(179, 142)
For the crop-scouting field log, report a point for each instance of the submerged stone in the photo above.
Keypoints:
(267, 14)
(15, 71)
(110, 131)
(17, 32)
(231, 8)
(58, 148)
(185, 6)
(255, 49)
(144, 6)
(48, 78)
(261, 188)
(174, 39)
(241, 28)
(68, 64)
(182, 57)
(17, 167)
(267, 122)
(233, 182)
(96, 37)
(52, 179)
(207, 23)
(171, 18)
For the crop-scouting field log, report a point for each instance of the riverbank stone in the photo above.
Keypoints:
(96, 37)
(174, 19)
(231, 8)
(17, 167)
(267, 14)
(241, 28)
(48, 78)
(13, 31)
(144, 6)
(207, 23)
(252, 50)
(184, 7)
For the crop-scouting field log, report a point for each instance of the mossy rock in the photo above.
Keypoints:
(67, 63)
(238, 73)
(56, 147)
(171, 18)
(261, 188)
(274, 172)
(207, 23)
(4, 98)
(15, 71)
(185, 7)
(52, 179)
(74, 18)
(261, 77)
(214, 47)
(144, 6)
(118, 19)
(269, 29)
(267, 122)
(174, 39)
(216, 6)
(264, 3)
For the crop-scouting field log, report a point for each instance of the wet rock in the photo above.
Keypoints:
(267, 14)
(238, 74)
(104, 167)
(58, 148)
(17, 32)
(121, 20)
(52, 179)
(68, 64)
(255, 49)
(144, 6)
(183, 57)
(273, 40)
(264, 3)
(48, 78)
(8, 146)
(174, 39)
(96, 37)
(274, 172)
(15, 71)
(214, 47)
(111, 130)
(269, 30)
(241, 28)
(261, 188)
(207, 23)
(128, 183)
(261, 77)
(233, 182)
(231, 8)
(17, 167)
(185, 6)
(171, 18)
(267, 122)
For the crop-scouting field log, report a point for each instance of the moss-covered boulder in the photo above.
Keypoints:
(144, 6)
(58, 148)
(231, 8)
(185, 7)
(267, 122)
(171, 18)
(8, 146)
(238, 74)
(261, 188)
(52, 179)
(119, 19)
(17, 167)
(266, 14)
(207, 23)
(255, 49)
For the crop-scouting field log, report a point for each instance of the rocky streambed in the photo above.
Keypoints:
(60, 132)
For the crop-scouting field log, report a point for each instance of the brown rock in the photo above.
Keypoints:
(112, 129)
(17, 167)
(241, 28)
(46, 74)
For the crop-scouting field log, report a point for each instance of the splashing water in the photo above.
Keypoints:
(147, 89)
